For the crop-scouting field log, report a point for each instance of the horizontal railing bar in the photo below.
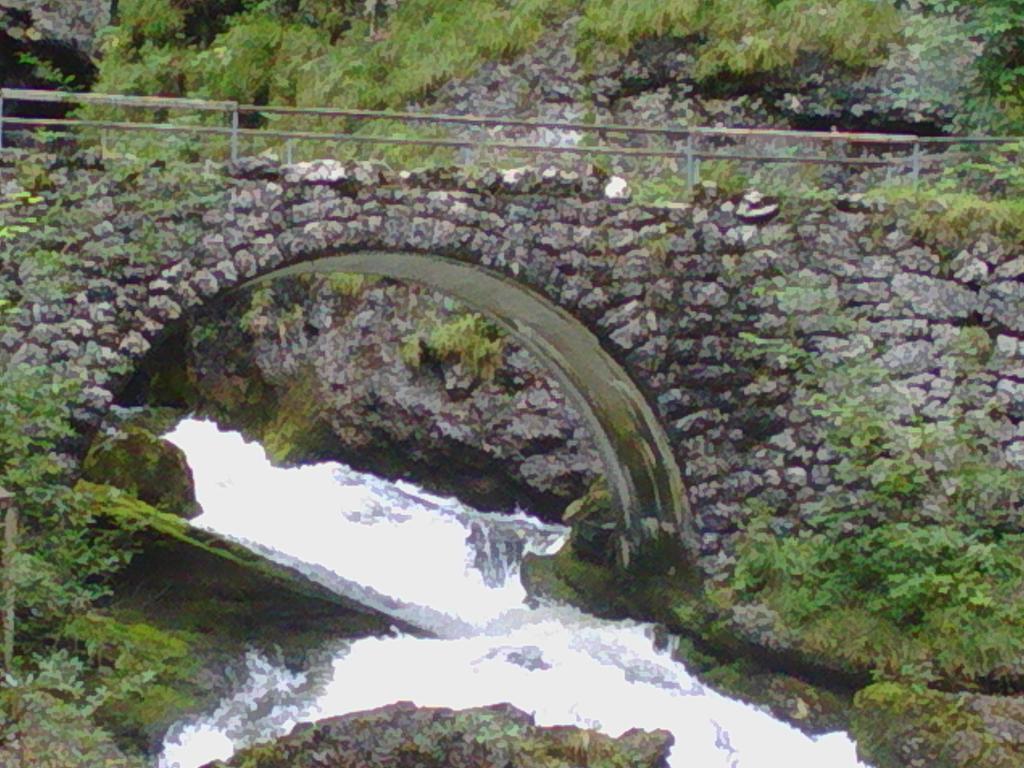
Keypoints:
(865, 138)
(161, 102)
(47, 122)
(812, 160)
(38, 95)
(318, 136)
(971, 140)
(200, 104)
(481, 120)
(450, 143)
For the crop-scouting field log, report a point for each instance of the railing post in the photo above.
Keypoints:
(234, 133)
(690, 168)
(915, 162)
(7, 505)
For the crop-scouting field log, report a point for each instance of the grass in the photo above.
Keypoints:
(742, 37)
(331, 55)
(264, 57)
(950, 220)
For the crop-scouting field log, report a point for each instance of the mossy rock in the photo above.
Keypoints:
(190, 605)
(404, 735)
(901, 726)
(138, 461)
(594, 522)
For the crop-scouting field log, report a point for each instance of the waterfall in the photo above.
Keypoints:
(453, 572)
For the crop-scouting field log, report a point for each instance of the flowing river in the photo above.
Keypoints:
(453, 572)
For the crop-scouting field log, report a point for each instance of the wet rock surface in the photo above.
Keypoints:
(404, 736)
(501, 440)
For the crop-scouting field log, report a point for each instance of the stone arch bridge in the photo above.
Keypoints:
(644, 313)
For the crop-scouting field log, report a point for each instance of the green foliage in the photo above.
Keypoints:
(425, 43)
(67, 551)
(1000, 24)
(726, 175)
(15, 220)
(52, 731)
(921, 546)
(950, 220)
(320, 53)
(133, 667)
(46, 70)
(468, 339)
(980, 195)
(151, 22)
(350, 283)
(257, 60)
(64, 561)
(743, 37)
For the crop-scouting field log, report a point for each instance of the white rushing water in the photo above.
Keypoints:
(437, 565)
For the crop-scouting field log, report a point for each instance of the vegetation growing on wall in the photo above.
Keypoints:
(915, 571)
(970, 199)
(468, 339)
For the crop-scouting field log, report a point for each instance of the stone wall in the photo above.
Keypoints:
(674, 293)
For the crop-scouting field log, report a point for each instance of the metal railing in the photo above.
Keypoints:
(911, 145)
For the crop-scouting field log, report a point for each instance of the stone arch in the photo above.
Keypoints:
(643, 478)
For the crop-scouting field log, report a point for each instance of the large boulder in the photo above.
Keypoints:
(404, 736)
(902, 725)
(134, 458)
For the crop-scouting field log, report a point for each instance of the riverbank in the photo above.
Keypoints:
(740, 650)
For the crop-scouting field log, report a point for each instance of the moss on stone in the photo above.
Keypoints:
(594, 522)
(403, 735)
(349, 284)
(138, 461)
(812, 708)
(901, 726)
(296, 429)
(188, 607)
(468, 339)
